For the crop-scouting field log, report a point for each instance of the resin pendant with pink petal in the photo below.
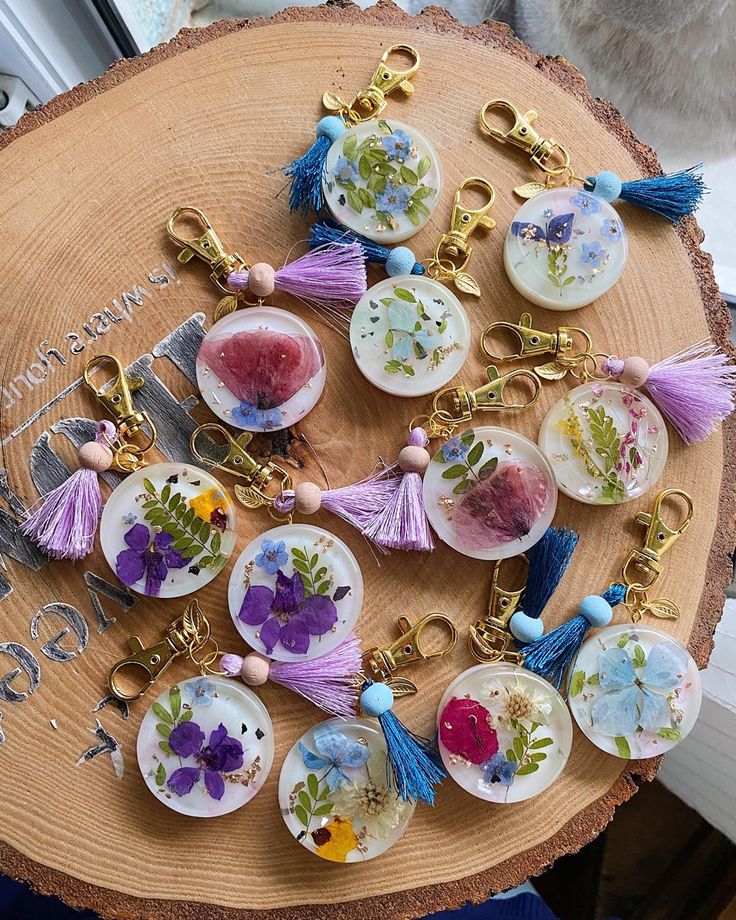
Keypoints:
(490, 493)
(261, 369)
(205, 747)
(167, 529)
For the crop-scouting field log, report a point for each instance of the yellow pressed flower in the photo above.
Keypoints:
(203, 505)
(339, 843)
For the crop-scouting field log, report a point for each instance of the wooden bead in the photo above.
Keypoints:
(255, 669)
(307, 498)
(95, 456)
(414, 459)
(262, 279)
(635, 372)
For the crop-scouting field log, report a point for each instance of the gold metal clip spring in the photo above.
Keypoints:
(371, 101)
(533, 342)
(206, 246)
(548, 155)
(643, 567)
(489, 638)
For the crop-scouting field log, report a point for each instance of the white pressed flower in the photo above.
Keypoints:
(511, 701)
(370, 804)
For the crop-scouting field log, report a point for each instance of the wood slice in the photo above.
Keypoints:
(88, 182)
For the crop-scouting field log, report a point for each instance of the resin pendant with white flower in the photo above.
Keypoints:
(295, 592)
(261, 369)
(205, 747)
(504, 733)
(382, 180)
(410, 335)
(565, 248)
(490, 493)
(335, 794)
(607, 443)
(167, 529)
(634, 690)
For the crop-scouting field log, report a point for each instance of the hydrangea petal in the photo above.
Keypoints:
(655, 711)
(311, 760)
(616, 713)
(615, 669)
(355, 755)
(665, 667)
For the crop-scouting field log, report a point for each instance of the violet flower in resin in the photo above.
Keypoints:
(221, 756)
(150, 557)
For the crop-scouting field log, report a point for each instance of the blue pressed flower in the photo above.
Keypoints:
(593, 254)
(200, 692)
(611, 229)
(586, 204)
(334, 751)
(248, 415)
(346, 170)
(408, 340)
(499, 770)
(454, 450)
(393, 199)
(272, 556)
(397, 145)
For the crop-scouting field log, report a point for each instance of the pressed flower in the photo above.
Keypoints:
(248, 414)
(150, 557)
(499, 770)
(272, 556)
(334, 752)
(200, 692)
(286, 615)
(335, 840)
(466, 730)
(513, 701)
(586, 204)
(370, 804)
(220, 757)
(593, 254)
(408, 341)
(393, 199)
(346, 170)
(611, 229)
(454, 450)
(208, 503)
(397, 145)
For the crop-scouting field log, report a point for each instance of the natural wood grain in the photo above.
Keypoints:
(88, 183)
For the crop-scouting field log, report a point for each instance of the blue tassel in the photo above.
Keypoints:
(306, 172)
(330, 232)
(551, 655)
(673, 196)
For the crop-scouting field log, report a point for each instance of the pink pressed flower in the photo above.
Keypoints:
(466, 731)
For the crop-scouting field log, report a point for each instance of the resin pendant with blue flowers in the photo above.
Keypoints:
(261, 369)
(565, 248)
(382, 179)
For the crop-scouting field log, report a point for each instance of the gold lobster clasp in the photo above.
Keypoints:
(548, 155)
(380, 664)
(206, 246)
(490, 639)
(371, 101)
(452, 252)
(532, 342)
(453, 405)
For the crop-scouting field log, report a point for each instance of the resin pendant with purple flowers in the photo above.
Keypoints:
(261, 369)
(490, 493)
(382, 179)
(607, 443)
(504, 733)
(167, 529)
(565, 248)
(295, 592)
(335, 793)
(205, 747)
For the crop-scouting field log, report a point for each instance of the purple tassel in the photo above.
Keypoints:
(329, 681)
(331, 278)
(694, 389)
(64, 526)
(403, 522)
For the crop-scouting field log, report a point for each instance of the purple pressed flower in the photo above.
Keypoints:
(221, 756)
(499, 770)
(285, 615)
(152, 558)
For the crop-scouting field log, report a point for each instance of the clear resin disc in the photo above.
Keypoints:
(167, 529)
(504, 733)
(565, 248)
(295, 592)
(261, 369)
(382, 179)
(335, 795)
(410, 335)
(490, 493)
(634, 690)
(607, 443)
(205, 747)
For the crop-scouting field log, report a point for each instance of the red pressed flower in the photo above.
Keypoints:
(465, 730)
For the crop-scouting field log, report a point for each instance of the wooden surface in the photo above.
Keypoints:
(87, 184)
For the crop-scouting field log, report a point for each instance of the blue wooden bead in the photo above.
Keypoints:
(525, 628)
(596, 610)
(607, 186)
(330, 126)
(376, 699)
(400, 261)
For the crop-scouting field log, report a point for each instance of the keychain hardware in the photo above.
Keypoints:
(206, 247)
(643, 568)
(548, 155)
(379, 664)
(490, 638)
(371, 101)
(534, 342)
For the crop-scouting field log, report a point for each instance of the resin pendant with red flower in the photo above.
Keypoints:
(295, 592)
(261, 369)
(490, 493)
(167, 529)
(504, 733)
(205, 747)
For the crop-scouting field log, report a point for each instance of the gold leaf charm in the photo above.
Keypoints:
(401, 686)
(467, 284)
(332, 102)
(247, 497)
(553, 370)
(530, 189)
(228, 304)
(664, 609)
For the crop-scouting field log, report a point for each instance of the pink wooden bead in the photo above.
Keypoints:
(95, 456)
(262, 279)
(635, 372)
(414, 459)
(307, 498)
(255, 669)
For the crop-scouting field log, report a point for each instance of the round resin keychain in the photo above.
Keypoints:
(607, 443)
(335, 795)
(167, 529)
(261, 369)
(490, 493)
(634, 691)
(205, 747)
(504, 733)
(295, 592)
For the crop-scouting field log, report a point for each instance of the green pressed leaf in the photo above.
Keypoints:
(510, 755)
(160, 775)
(413, 216)
(467, 438)
(476, 452)
(151, 503)
(640, 657)
(355, 201)
(304, 800)
(540, 743)
(148, 486)
(488, 468)
(180, 510)
(383, 169)
(389, 339)
(302, 815)
(215, 543)
(568, 281)
(623, 640)
(527, 768)
(204, 561)
(403, 294)
(423, 167)
(453, 472)
(188, 518)
(424, 191)
(464, 486)
(350, 145)
(162, 713)
(301, 566)
(320, 573)
(364, 167)
(324, 809)
(183, 544)
(623, 748)
(538, 758)
(298, 554)
(324, 793)
(163, 730)
(164, 745)
(385, 127)
(408, 370)
(669, 734)
(186, 716)
(408, 175)
(174, 501)
(594, 679)
(165, 493)
(577, 682)
(323, 588)
(518, 748)
(313, 785)
(175, 701)
(367, 198)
